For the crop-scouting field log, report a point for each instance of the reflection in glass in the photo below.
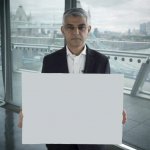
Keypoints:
(9, 130)
(35, 32)
(1, 75)
(124, 39)
(146, 85)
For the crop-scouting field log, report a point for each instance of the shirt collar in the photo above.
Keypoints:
(82, 53)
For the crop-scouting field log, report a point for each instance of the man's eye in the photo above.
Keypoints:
(70, 28)
(81, 27)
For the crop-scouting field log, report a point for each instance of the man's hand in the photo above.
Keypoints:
(20, 119)
(124, 117)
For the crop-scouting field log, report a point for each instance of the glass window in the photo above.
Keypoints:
(146, 86)
(35, 32)
(121, 30)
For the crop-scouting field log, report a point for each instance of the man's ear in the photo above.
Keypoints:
(62, 30)
(89, 28)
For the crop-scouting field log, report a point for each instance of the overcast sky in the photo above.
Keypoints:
(114, 15)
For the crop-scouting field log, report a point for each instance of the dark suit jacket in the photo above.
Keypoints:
(57, 63)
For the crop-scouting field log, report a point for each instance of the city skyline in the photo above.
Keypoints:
(118, 15)
(108, 15)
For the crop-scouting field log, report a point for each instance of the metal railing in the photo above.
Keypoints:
(31, 53)
(29, 57)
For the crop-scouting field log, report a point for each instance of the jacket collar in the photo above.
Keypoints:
(89, 63)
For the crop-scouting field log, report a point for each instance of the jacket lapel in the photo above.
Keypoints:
(89, 63)
(63, 65)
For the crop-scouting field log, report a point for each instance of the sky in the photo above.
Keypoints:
(118, 15)
(112, 15)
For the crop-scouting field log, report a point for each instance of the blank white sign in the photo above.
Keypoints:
(72, 108)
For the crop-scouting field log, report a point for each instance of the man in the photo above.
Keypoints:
(75, 57)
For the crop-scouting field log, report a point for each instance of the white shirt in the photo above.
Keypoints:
(76, 64)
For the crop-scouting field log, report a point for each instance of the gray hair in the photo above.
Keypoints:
(76, 12)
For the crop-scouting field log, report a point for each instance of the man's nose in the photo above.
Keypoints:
(76, 30)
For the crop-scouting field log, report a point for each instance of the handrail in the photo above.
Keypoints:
(107, 52)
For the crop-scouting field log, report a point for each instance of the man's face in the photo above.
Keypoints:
(75, 31)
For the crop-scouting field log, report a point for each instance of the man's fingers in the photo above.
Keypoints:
(124, 117)
(20, 119)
